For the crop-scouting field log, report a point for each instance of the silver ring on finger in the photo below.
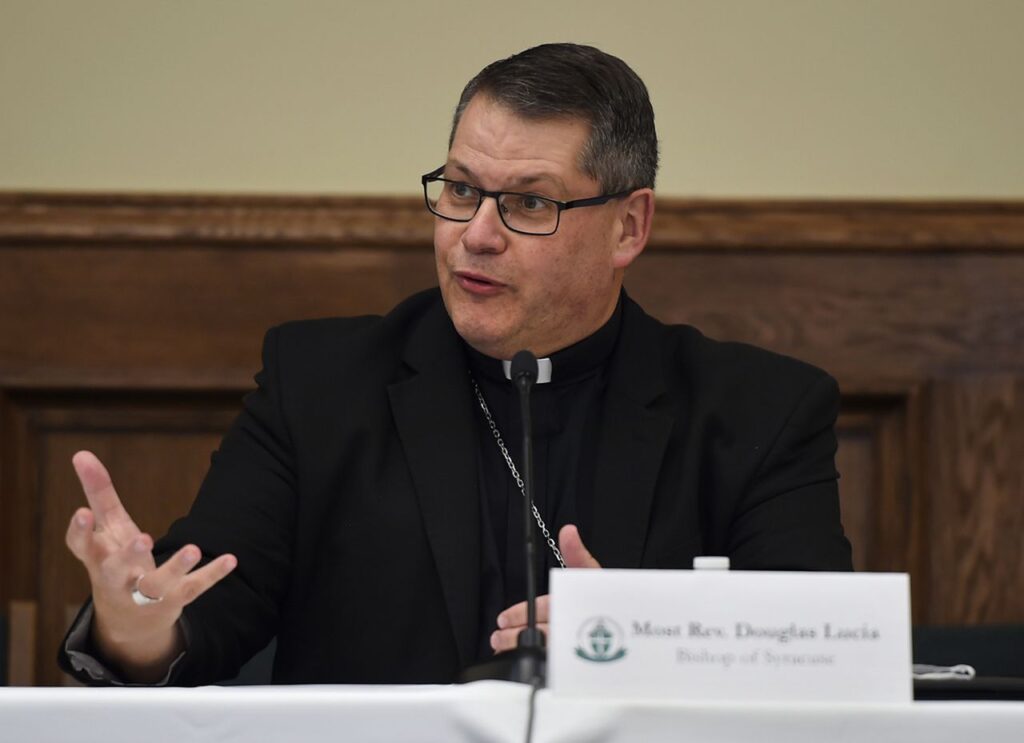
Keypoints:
(140, 598)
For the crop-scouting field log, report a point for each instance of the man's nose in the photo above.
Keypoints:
(486, 233)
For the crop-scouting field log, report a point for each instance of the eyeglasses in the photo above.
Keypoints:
(525, 213)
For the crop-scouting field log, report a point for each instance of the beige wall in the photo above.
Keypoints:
(917, 98)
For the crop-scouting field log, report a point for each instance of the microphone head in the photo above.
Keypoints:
(524, 367)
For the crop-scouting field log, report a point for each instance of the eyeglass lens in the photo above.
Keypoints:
(521, 212)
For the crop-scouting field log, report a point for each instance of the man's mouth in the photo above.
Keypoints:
(476, 283)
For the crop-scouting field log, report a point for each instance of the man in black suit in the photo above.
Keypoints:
(364, 506)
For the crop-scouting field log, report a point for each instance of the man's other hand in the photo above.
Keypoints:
(512, 621)
(141, 641)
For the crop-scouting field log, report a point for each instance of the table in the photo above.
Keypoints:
(600, 721)
(484, 711)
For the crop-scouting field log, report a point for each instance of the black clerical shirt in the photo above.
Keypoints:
(566, 421)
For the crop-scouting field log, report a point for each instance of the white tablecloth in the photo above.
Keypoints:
(485, 711)
(603, 721)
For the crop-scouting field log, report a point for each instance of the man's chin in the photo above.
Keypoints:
(488, 340)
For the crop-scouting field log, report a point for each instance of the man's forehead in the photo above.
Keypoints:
(492, 141)
(530, 175)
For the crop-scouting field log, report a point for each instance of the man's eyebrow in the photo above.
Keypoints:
(520, 182)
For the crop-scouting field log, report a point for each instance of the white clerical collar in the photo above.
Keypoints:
(543, 370)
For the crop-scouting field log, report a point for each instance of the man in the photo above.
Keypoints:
(364, 508)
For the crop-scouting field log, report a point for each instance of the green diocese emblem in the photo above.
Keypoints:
(600, 640)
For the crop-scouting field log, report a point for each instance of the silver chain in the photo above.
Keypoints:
(515, 473)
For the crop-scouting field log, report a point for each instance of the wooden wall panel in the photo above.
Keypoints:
(975, 522)
(131, 325)
(880, 487)
(183, 316)
(878, 321)
(855, 460)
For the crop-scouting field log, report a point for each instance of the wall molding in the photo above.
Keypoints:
(402, 222)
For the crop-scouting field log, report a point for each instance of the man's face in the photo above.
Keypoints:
(505, 291)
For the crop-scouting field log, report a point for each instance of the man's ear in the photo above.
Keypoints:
(635, 214)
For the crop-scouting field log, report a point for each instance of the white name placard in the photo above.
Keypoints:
(731, 635)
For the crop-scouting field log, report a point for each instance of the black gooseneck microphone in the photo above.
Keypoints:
(526, 664)
(524, 375)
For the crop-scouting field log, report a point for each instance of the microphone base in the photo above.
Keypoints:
(527, 665)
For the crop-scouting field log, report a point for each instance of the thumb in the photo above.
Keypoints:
(572, 549)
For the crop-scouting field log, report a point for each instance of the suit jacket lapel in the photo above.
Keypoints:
(433, 413)
(632, 443)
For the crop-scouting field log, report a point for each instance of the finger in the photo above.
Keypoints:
(119, 568)
(174, 581)
(136, 557)
(508, 639)
(573, 551)
(79, 537)
(99, 491)
(161, 581)
(88, 545)
(198, 582)
(515, 615)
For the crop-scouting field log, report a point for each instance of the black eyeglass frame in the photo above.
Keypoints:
(435, 176)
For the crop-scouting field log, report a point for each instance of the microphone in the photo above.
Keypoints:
(524, 374)
(526, 664)
(524, 370)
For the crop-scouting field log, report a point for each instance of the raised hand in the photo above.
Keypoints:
(512, 621)
(136, 603)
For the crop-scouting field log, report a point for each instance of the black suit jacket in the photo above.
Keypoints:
(348, 489)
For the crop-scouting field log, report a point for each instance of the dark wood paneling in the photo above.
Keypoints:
(131, 324)
(880, 322)
(176, 316)
(21, 630)
(973, 534)
(855, 461)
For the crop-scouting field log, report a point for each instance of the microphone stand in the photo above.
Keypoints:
(527, 663)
